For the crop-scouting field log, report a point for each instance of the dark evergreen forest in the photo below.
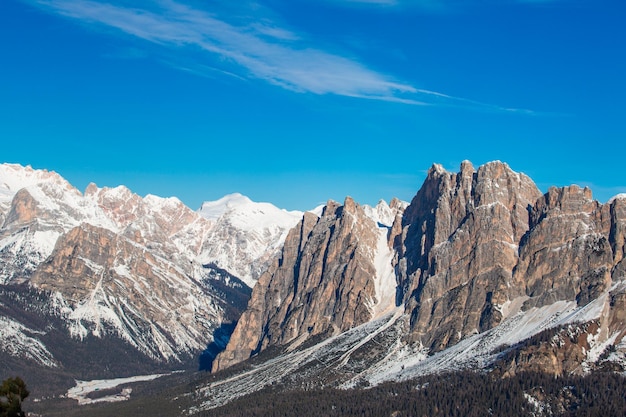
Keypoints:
(462, 394)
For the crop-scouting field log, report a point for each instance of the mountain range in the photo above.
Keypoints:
(481, 270)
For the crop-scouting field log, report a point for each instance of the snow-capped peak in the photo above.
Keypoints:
(245, 234)
(621, 196)
(14, 177)
(383, 213)
(213, 210)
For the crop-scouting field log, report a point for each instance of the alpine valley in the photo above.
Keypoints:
(108, 296)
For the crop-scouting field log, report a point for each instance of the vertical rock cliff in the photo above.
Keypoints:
(473, 249)
(566, 254)
(324, 282)
(458, 247)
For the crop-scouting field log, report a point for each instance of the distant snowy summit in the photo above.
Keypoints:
(245, 235)
(149, 270)
(237, 234)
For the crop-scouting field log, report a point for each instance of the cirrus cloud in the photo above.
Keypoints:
(257, 49)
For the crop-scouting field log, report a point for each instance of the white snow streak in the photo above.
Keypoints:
(385, 281)
(14, 340)
(83, 388)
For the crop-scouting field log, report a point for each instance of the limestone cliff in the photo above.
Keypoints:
(324, 282)
(107, 284)
(458, 248)
(566, 254)
(473, 249)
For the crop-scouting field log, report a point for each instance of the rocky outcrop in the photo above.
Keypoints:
(458, 248)
(566, 254)
(106, 284)
(556, 351)
(473, 249)
(575, 348)
(616, 209)
(322, 283)
(30, 230)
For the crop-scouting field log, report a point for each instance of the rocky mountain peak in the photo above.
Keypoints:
(323, 282)
(435, 170)
(244, 236)
(460, 236)
(91, 190)
(564, 201)
(330, 208)
(567, 252)
(396, 204)
(23, 208)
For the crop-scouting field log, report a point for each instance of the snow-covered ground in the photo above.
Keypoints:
(18, 340)
(375, 352)
(245, 235)
(82, 389)
(385, 281)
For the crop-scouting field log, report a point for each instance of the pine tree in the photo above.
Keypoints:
(12, 392)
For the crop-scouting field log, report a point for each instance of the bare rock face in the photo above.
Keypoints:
(322, 283)
(474, 243)
(107, 284)
(566, 254)
(24, 208)
(617, 234)
(557, 352)
(458, 247)
(471, 251)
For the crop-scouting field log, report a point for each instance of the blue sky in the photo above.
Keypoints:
(295, 102)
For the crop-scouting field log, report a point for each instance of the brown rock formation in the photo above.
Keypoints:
(114, 286)
(566, 254)
(469, 246)
(557, 352)
(617, 234)
(458, 248)
(323, 282)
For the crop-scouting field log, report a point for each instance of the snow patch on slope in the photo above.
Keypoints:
(477, 351)
(383, 214)
(621, 196)
(385, 280)
(81, 391)
(16, 340)
(245, 236)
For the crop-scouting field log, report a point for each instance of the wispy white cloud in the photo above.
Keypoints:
(260, 50)
(253, 50)
(427, 5)
(431, 5)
